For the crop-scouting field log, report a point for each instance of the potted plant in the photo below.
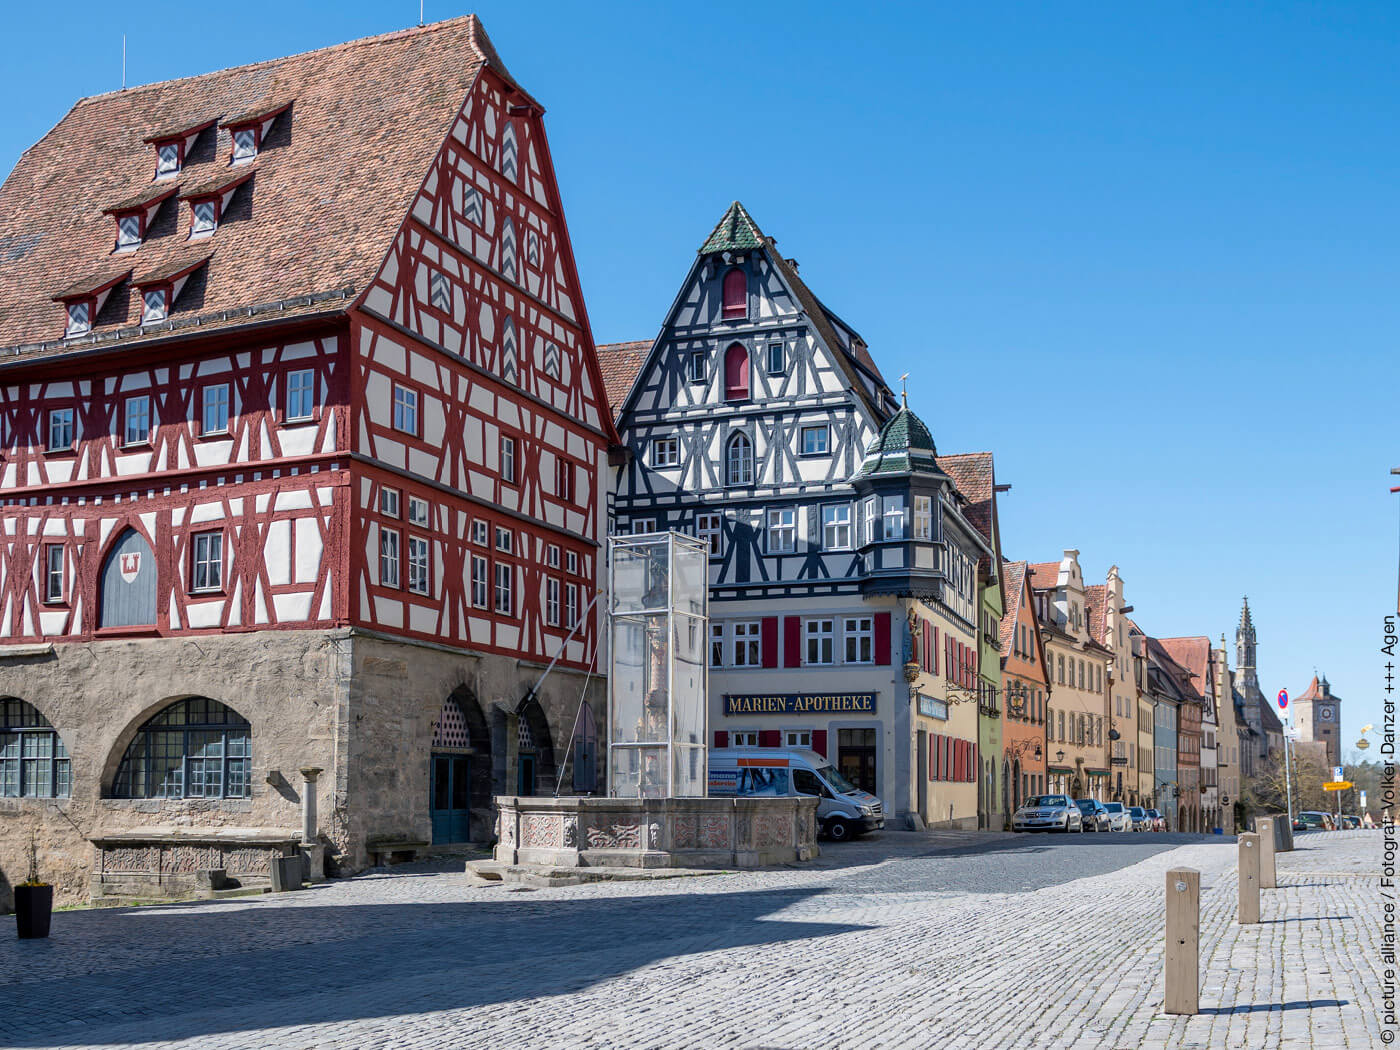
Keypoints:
(33, 900)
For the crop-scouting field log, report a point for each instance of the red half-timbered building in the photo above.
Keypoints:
(302, 443)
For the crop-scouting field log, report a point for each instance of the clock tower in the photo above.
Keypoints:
(1318, 716)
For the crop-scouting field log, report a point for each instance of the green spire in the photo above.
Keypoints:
(736, 232)
(904, 446)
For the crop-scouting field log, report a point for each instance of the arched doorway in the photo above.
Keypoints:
(459, 773)
(534, 756)
(128, 583)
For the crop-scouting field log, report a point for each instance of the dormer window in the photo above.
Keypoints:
(155, 305)
(206, 217)
(135, 214)
(79, 318)
(168, 159)
(128, 231)
(245, 144)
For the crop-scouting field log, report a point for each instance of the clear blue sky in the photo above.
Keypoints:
(1145, 253)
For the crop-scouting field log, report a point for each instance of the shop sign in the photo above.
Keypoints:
(932, 708)
(799, 704)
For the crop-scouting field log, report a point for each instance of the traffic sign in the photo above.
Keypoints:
(1336, 772)
(1341, 785)
(1363, 800)
(1282, 699)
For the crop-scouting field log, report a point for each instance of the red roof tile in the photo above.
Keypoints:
(1013, 577)
(335, 178)
(1095, 596)
(1192, 653)
(1043, 574)
(620, 363)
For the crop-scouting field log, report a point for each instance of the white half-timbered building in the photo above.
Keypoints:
(302, 446)
(750, 422)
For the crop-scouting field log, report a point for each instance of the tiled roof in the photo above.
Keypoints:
(1159, 655)
(1192, 653)
(1095, 596)
(972, 475)
(1013, 578)
(174, 265)
(1043, 574)
(1318, 689)
(735, 232)
(334, 180)
(904, 445)
(620, 363)
(154, 192)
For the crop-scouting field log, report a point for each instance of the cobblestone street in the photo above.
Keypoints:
(900, 941)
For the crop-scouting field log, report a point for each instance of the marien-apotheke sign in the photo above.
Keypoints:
(799, 704)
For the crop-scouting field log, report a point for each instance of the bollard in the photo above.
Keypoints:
(1268, 841)
(1183, 941)
(1249, 878)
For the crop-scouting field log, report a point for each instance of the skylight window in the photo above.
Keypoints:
(128, 231)
(155, 305)
(206, 217)
(167, 159)
(79, 318)
(245, 144)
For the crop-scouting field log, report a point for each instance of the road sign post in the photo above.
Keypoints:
(1287, 776)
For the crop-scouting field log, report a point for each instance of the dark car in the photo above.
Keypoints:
(1157, 822)
(1312, 820)
(1094, 813)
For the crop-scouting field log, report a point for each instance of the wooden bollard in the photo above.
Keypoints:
(1249, 878)
(1183, 941)
(1268, 835)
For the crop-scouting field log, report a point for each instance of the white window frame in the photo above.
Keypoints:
(481, 532)
(697, 366)
(388, 501)
(79, 318)
(819, 631)
(299, 392)
(564, 479)
(481, 582)
(57, 428)
(892, 518)
(781, 530)
(571, 562)
(551, 555)
(814, 429)
(869, 515)
(717, 640)
(836, 526)
(743, 738)
(215, 397)
(923, 518)
(419, 565)
(207, 557)
(858, 639)
(55, 576)
(508, 459)
(505, 588)
(168, 159)
(405, 410)
(778, 351)
(551, 601)
(666, 452)
(419, 513)
(710, 528)
(505, 541)
(205, 217)
(747, 638)
(642, 526)
(734, 477)
(389, 561)
(143, 435)
(245, 145)
(129, 231)
(571, 609)
(797, 738)
(155, 305)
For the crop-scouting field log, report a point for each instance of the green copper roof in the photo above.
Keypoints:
(904, 446)
(736, 232)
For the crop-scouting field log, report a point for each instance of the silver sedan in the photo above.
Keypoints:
(1048, 813)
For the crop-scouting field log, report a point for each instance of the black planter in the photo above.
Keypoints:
(33, 910)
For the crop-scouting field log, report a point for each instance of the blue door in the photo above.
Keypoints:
(450, 798)
(128, 583)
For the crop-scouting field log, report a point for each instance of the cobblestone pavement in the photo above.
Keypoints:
(947, 941)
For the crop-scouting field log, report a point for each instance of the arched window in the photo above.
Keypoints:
(738, 461)
(736, 373)
(736, 293)
(33, 761)
(196, 748)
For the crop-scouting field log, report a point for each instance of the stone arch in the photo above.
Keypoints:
(34, 761)
(533, 738)
(209, 753)
(460, 727)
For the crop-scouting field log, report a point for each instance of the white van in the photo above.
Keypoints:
(844, 811)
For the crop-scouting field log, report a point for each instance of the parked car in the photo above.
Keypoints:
(1140, 821)
(844, 811)
(1159, 822)
(1350, 822)
(1095, 816)
(1118, 817)
(1048, 813)
(1313, 820)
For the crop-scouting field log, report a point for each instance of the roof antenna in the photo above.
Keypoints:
(420, 12)
(123, 61)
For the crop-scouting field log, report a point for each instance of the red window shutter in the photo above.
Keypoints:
(770, 738)
(882, 638)
(933, 759)
(948, 657)
(768, 633)
(819, 741)
(957, 761)
(736, 293)
(721, 738)
(926, 647)
(792, 641)
(935, 650)
(736, 373)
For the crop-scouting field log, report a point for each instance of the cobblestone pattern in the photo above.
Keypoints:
(868, 949)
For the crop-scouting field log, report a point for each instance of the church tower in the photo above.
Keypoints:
(1245, 643)
(1318, 713)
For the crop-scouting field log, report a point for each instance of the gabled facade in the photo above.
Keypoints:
(1079, 710)
(1026, 690)
(319, 443)
(1228, 752)
(1128, 754)
(758, 421)
(1197, 658)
